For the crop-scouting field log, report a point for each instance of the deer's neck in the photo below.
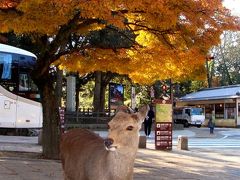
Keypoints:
(120, 163)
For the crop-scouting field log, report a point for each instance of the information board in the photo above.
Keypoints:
(163, 136)
(163, 131)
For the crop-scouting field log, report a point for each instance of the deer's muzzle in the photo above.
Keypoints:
(109, 144)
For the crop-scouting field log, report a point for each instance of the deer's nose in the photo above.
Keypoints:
(108, 142)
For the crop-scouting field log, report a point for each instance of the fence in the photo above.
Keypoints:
(87, 118)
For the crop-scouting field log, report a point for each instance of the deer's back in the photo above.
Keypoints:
(79, 148)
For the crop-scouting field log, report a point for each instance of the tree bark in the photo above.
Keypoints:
(58, 88)
(51, 131)
(101, 81)
(209, 80)
(50, 99)
(97, 91)
(102, 98)
(77, 97)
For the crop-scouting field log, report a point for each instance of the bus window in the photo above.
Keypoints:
(26, 83)
(32, 86)
(6, 65)
(23, 82)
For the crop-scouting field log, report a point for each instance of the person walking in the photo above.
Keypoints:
(211, 123)
(148, 121)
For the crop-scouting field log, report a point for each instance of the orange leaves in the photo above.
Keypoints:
(33, 16)
(96, 59)
(172, 36)
(45, 16)
(143, 65)
(6, 4)
(161, 63)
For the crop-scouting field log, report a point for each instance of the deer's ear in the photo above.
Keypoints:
(122, 109)
(142, 113)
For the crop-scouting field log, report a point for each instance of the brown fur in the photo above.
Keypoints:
(86, 156)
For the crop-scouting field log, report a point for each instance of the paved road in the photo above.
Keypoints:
(212, 143)
(201, 161)
(197, 138)
(200, 138)
(20, 144)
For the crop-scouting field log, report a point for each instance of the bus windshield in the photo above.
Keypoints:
(197, 111)
(16, 66)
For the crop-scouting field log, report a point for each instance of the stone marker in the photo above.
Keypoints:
(182, 142)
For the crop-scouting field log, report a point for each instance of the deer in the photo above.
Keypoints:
(87, 156)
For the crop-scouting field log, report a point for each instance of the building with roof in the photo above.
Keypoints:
(224, 101)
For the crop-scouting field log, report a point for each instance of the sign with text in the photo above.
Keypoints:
(163, 136)
(163, 131)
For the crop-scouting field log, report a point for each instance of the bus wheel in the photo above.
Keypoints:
(198, 126)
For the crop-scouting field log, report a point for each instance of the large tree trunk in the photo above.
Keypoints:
(77, 98)
(58, 88)
(51, 131)
(101, 81)
(78, 86)
(102, 97)
(50, 98)
(97, 92)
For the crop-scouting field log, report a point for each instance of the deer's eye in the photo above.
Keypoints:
(129, 128)
(108, 126)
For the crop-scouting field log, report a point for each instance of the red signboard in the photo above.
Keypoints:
(163, 136)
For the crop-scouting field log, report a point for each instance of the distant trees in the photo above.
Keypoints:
(222, 65)
(226, 62)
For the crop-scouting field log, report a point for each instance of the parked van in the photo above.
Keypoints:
(188, 116)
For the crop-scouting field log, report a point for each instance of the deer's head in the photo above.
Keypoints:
(124, 129)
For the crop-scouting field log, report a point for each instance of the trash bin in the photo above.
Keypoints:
(142, 142)
(182, 142)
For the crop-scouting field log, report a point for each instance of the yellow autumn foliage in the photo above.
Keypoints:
(172, 36)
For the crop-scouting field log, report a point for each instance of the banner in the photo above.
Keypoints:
(116, 95)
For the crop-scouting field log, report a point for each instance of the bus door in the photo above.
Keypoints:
(7, 110)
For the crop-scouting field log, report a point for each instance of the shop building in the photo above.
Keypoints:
(224, 101)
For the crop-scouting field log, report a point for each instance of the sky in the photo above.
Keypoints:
(233, 5)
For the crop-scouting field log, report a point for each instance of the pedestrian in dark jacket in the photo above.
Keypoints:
(211, 125)
(148, 121)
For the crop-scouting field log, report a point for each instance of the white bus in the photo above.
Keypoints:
(20, 109)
